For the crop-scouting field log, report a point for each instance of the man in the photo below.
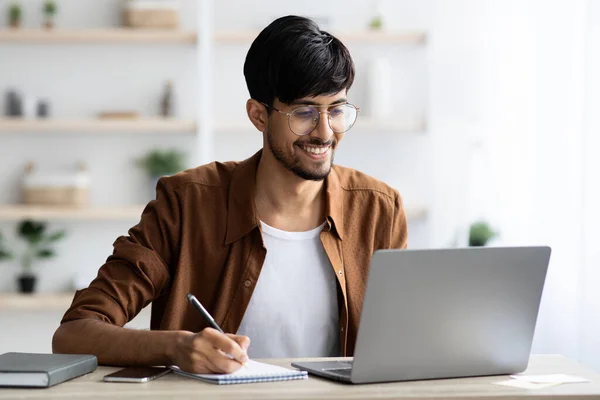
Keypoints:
(276, 247)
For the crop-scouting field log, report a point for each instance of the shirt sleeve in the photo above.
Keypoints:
(399, 234)
(138, 270)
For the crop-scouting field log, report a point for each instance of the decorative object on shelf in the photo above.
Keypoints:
(118, 115)
(158, 163)
(43, 108)
(376, 22)
(49, 9)
(15, 14)
(480, 233)
(60, 188)
(151, 14)
(30, 107)
(166, 102)
(38, 245)
(379, 88)
(14, 104)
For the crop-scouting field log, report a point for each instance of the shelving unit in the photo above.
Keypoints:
(202, 41)
(370, 37)
(110, 35)
(141, 125)
(36, 302)
(19, 212)
(128, 213)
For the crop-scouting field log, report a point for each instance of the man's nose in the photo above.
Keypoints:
(323, 130)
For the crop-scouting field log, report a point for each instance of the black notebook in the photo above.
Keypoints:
(43, 370)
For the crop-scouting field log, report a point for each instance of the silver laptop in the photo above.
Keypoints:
(430, 314)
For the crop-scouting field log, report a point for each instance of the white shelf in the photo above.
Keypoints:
(36, 302)
(18, 212)
(141, 125)
(371, 37)
(363, 123)
(108, 35)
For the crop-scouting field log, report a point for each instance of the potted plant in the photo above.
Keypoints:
(38, 245)
(5, 254)
(15, 14)
(480, 233)
(158, 163)
(49, 9)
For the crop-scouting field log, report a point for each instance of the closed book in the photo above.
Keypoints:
(43, 370)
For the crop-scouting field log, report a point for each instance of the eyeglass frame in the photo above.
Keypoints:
(289, 115)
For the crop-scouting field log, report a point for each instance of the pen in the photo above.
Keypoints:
(207, 317)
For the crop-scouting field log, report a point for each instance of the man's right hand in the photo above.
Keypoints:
(207, 352)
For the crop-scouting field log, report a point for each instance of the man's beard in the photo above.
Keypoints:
(295, 165)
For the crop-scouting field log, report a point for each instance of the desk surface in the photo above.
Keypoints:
(174, 386)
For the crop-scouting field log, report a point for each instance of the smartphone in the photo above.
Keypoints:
(136, 374)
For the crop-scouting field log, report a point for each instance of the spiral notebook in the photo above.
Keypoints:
(256, 372)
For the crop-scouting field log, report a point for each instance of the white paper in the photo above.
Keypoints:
(552, 378)
(254, 369)
(516, 383)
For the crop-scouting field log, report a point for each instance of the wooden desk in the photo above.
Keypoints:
(177, 387)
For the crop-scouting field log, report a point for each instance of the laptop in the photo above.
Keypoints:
(444, 313)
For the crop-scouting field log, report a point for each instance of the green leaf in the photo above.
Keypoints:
(56, 236)
(34, 239)
(480, 233)
(162, 162)
(46, 253)
(50, 7)
(5, 255)
(29, 228)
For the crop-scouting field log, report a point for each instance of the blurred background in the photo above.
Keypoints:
(482, 113)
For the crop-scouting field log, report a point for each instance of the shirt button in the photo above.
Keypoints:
(340, 272)
(248, 283)
(342, 329)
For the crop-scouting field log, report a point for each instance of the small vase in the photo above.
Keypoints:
(49, 24)
(15, 24)
(27, 283)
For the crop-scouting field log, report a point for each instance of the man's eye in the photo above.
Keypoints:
(305, 114)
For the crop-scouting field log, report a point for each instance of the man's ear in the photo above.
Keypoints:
(257, 113)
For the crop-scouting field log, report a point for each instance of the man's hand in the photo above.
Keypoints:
(207, 352)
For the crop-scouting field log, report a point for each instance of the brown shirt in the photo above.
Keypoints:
(202, 235)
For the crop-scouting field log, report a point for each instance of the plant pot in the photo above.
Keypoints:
(49, 24)
(15, 24)
(476, 243)
(27, 283)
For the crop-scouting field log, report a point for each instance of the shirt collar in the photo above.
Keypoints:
(243, 217)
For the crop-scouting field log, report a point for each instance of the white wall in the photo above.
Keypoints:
(589, 348)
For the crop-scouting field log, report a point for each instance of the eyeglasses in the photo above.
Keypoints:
(303, 120)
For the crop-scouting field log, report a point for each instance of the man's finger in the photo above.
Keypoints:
(243, 341)
(222, 362)
(225, 344)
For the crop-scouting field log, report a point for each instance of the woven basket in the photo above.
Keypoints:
(148, 18)
(56, 196)
(64, 188)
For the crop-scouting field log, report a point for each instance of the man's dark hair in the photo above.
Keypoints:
(292, 58)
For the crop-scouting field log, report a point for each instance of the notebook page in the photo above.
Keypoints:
(256, 371)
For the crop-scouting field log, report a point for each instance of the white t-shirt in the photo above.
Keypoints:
(293, 311)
